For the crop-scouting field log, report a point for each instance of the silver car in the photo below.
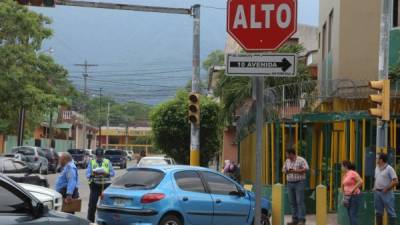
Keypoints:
(156, 161)
(35, 158)
(19, 207)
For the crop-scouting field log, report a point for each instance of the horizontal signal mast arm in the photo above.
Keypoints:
(140, 8)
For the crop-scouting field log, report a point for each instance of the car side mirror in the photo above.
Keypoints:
(242, 192)
(39, 210)
(238, 193)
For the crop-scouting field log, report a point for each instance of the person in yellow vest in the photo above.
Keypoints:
(99, 173)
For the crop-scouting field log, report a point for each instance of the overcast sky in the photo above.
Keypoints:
(141, 56)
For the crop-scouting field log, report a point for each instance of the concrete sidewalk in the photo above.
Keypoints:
(311, 219)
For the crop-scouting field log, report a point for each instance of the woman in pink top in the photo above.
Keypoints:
(351, 183)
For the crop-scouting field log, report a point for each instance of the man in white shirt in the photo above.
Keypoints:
(385, 181)
(295, 169)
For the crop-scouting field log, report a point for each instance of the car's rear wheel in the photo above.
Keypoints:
(170, 220)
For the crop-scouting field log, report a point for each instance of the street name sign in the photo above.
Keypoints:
(261, 25)
(274, 64)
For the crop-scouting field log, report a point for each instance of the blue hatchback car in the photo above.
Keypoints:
(177, 195)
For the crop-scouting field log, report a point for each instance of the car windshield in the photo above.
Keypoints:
(76, 151)
(153, 161)
(24, 151)
(139, 179)
(113, 152)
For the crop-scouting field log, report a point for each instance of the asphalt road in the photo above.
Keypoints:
(84, 187)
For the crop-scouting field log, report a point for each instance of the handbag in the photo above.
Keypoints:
(346, 201)
(73, 206)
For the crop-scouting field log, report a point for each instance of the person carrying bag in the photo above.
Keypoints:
(351, 183)
(67, 184)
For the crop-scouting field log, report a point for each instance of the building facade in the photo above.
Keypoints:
(326, 120)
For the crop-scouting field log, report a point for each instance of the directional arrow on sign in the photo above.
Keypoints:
(264, 65)
(285, 64)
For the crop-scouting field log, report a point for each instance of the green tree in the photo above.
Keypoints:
(28, 78)
(171, 129)
(234, 91)
(215, 58)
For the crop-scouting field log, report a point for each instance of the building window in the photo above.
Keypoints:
(330, 31)
(396, 16)
(323, 41)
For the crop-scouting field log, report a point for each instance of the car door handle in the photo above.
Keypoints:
(185, 199)
(218, 201)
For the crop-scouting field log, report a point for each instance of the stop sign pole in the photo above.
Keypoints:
(261, 26)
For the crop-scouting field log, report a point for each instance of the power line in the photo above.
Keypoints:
(155, 70)
(212, 7)
(148, 73)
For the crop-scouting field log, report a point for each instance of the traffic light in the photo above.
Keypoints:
(194, 109)
(45, 3)
(382, 99)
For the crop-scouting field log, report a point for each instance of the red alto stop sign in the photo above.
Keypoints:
(261, 25)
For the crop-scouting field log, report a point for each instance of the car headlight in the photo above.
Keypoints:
(49, 204)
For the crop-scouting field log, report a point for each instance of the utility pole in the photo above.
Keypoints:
(21, 126)
(126, 135)
(195, 128)
(108, 124)
(386, 26)
(100, 137)
(85, 76)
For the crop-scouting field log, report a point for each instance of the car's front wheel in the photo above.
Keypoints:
(170, 220)
(264, 219)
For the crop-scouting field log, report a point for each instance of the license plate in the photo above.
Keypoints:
(121, 202)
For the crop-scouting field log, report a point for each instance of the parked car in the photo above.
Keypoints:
(35, 158)
(16, 156)
(19, 207)
(80, 157)
(52, 158)
(156, 161)
(178, 195)
(117, 157)
(50, 198)
(20, 172)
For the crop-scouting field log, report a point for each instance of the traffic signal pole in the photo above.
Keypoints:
(195, 128)
(194, 11)
(386, 25)
(259, 92)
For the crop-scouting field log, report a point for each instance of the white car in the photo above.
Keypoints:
(51, 198)
(156, 161)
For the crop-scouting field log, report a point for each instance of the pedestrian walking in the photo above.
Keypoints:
(295, 169)
(99, 173)
(351, 183)
(231, 170)
(67, 183)
(385, 180)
